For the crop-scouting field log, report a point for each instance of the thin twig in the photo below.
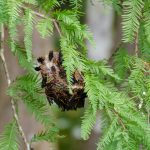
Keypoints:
(9, 82)
(34, 12)
(148, 115)
(43, 16)
(136, 43)
(120, 120)
(57, 27)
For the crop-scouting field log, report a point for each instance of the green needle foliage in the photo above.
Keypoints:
(9, 138)
(88, 118)
(28, 27)
(120, 91)
(48, 135)
(121, 62)
(131, 16)
(45, 27)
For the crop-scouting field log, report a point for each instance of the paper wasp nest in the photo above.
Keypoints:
(55, 84)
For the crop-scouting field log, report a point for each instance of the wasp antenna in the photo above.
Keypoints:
(60, 58)
(50, 56)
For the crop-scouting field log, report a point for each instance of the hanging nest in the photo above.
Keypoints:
(55, 83)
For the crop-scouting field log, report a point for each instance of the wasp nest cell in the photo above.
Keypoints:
(55, 84)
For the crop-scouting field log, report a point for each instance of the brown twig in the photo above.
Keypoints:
(119, 119)
(148, 115)
(9, 82)
(136, 43)
(34, 12)
(57, 27)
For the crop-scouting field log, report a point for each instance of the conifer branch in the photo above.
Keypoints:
(43, 16)
(9, 82)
